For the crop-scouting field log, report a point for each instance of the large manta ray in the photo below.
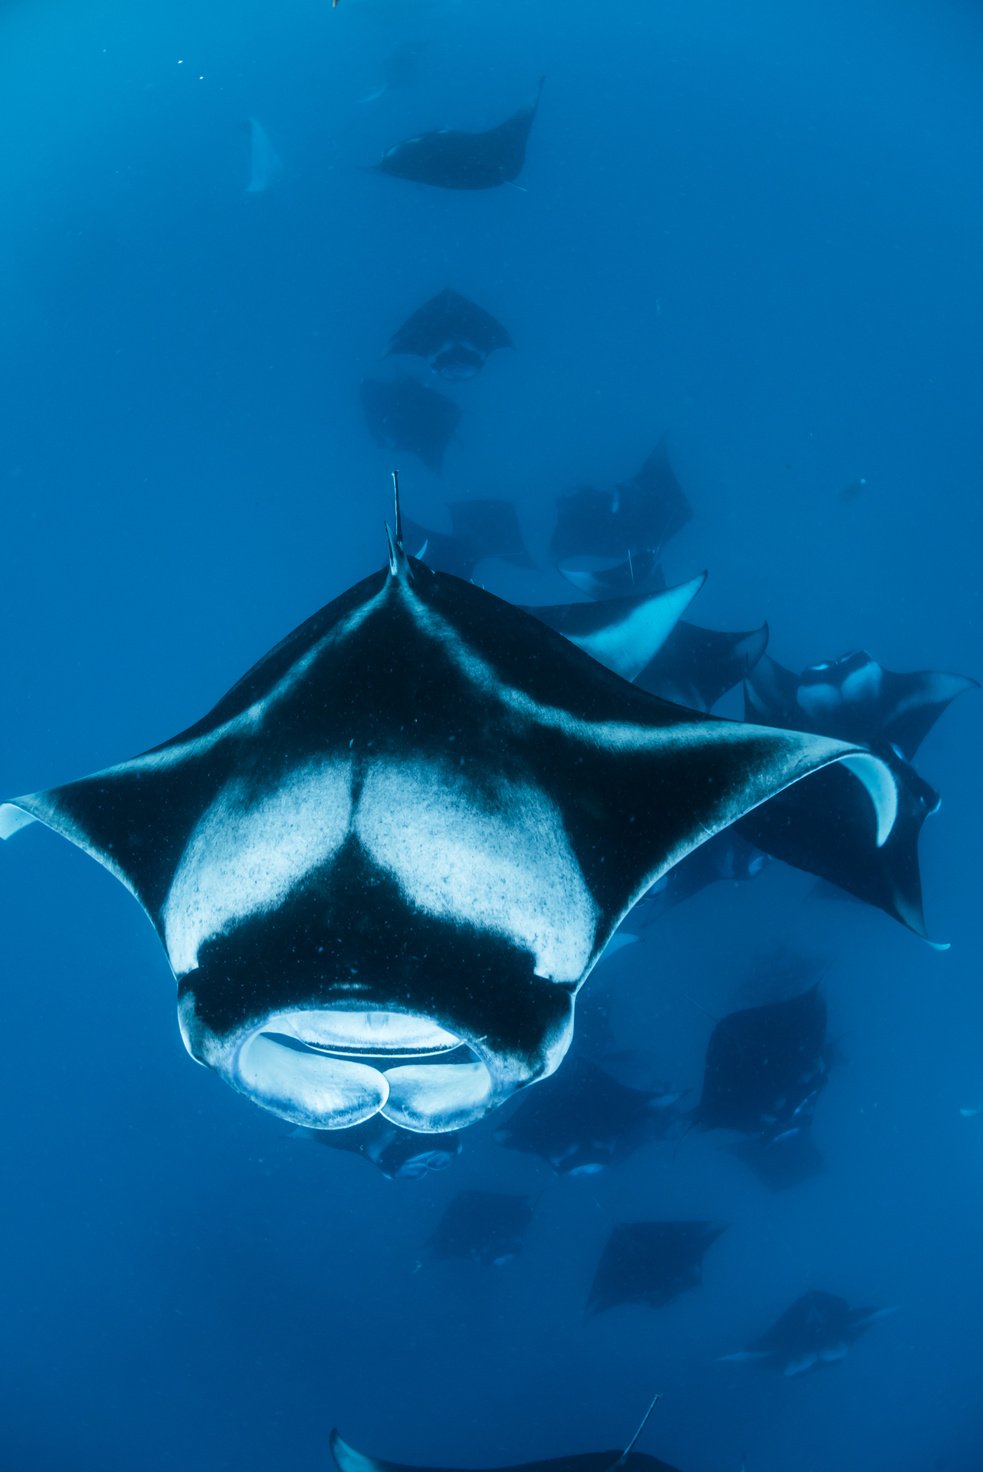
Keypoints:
(451, 159)
(386, 861)
(347, 1459)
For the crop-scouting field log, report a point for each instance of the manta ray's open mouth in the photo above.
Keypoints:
(333, 1069)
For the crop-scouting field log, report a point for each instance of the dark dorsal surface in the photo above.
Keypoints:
(405, 415)
(727, 858)
(487, 1226)
(826, 832)
(451, 159)
(811, 1323)
(399, 1154)
(696, 667)
(783, 1163)
(483, 527)
(453, 334)
(856, 699)
(763, 1065)
(638, 515)
(651, 1263)
(385, 862)
(347, 1459)
(582, 1120)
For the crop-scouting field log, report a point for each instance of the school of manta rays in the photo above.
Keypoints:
(380, 885)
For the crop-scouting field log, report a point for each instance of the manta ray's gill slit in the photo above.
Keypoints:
(370, 1033)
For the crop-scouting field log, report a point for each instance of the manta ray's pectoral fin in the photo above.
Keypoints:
(697, 778)
(347, 1459)
(744, 1356)
(624, 634)
(13, 819)
(800, 1364)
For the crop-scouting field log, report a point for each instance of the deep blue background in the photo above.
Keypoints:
(756, 227)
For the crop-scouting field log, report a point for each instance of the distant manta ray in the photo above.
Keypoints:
(386, 861)
(449, 158)
(264, 162)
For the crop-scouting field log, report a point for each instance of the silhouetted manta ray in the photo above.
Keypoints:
(583, 1120)
(486, 1226)
(385, 862)
(451, 159)
(405, 415)
(817, 1330)
(637, 516)
(651, 1263)
(820, 831)
(765, 1068)
(453, 334)
(482, 528)
(857, 699)
(401, 1155)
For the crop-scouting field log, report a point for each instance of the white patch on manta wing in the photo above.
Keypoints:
(631, 643)
(348, 1459)
(794, 754)
(863, 684)
(13, 819)
(506, 867)
(881, 788)
(800, 1364)
(246, 854)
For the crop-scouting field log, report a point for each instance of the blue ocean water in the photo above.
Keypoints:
(755, 229)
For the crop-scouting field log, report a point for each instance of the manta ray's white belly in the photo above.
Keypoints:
(499, 861)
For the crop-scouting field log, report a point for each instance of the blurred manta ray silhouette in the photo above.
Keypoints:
(449, 158)
(385, 862)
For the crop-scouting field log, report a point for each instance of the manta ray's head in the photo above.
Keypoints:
(327, 1019)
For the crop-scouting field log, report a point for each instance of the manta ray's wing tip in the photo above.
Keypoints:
(13, 819)
(881, 788)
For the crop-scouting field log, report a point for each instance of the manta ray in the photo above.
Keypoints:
(453, 334)
(485, 1226)
(449, 158)
(386, 861)
(818, 1330)
(482, 527)
(651, 1263)
(347, 1459)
